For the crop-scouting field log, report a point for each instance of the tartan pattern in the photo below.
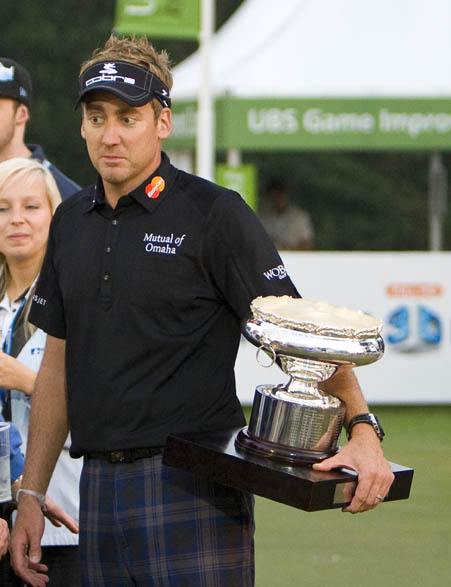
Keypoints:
(148, 524)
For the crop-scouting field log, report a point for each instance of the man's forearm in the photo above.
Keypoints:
(345, 386)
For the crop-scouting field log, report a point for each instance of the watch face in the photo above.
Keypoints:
(377, 425)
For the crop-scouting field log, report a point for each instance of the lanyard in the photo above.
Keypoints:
(7, 345)
(4, 396)
(9, 335)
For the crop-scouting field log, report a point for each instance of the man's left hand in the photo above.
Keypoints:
(58, 517)
(363, 454)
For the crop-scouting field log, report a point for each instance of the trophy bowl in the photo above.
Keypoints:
(297, 422)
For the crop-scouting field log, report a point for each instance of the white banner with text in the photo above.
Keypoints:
(410, 292)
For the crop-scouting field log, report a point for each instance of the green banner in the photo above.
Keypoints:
(241, 179)
(320, 124)
(175, 19)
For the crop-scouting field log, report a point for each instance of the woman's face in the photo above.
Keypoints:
(25, 216)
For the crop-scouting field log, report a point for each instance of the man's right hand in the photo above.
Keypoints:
(25, 543)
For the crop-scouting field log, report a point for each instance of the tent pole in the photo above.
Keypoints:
(438, 200)
(205, 146)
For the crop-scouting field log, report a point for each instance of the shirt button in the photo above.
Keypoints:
(115, 222)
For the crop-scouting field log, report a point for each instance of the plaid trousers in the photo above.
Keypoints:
(148, 524)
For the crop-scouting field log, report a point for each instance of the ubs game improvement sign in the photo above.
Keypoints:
(312, 124)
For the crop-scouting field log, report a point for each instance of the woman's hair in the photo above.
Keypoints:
(26, 170)
(21, 167)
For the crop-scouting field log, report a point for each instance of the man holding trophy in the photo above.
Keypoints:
(147, 278)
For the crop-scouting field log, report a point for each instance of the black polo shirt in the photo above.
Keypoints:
(149, 298)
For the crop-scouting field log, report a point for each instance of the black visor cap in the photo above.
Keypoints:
(132, 83)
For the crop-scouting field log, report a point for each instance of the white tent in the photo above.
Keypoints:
(327, 74)
(328, 48)
(321, 74)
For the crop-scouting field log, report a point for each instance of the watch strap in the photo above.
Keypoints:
(367, 418)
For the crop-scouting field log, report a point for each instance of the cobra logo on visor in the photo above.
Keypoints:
(131, 82)
(109, 74)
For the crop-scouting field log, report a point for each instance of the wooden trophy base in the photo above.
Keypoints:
(215, 456)
(247, 442)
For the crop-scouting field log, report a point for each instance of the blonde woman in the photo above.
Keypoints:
(28, 199)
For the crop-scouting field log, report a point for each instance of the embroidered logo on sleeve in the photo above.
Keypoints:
(278, 272)
(38, 300)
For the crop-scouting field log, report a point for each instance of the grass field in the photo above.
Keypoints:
(403, 543)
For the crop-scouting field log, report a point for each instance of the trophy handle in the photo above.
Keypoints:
(266, 348)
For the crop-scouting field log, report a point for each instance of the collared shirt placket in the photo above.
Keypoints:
(109, 250)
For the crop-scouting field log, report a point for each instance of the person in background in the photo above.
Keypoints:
(144, 273)
(16, 463)
(53, 513)
(15, 104)
(28, 198)
(4, 537)
(289, 226)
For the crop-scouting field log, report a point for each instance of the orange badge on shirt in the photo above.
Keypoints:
(155, 187)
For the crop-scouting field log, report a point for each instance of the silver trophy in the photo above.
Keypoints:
(298, 422)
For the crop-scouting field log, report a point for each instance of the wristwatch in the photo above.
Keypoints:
(370, 419)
